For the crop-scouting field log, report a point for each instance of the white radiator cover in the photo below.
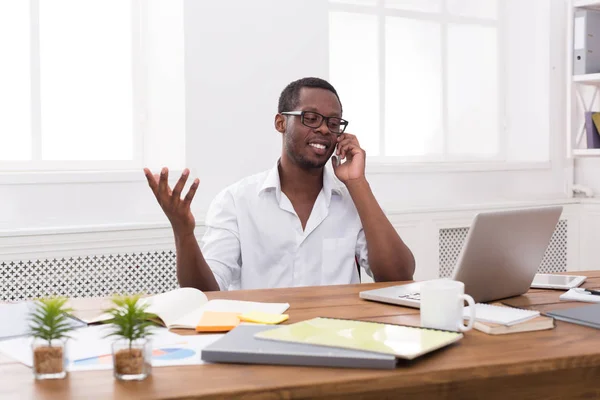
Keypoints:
(102, 275)
(153, 272)
(451, 242)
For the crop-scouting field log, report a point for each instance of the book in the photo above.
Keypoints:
(591, 128)
(588, 315)
(405, 342)
(240, 346)
(499, 314)
(536, 324)
(183, 308)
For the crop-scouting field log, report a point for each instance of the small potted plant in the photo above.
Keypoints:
(132, 351)
(49, 326)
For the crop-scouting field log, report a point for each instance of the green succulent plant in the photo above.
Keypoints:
(130, 321)
(49, 319)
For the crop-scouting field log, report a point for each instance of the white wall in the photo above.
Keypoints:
(587, 173)
(238, 57)
(235, 74)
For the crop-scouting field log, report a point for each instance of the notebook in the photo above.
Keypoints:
(538, 323)
(183, 307)
(406, 342)
(240, 346)
(587, 315)
(500, 314)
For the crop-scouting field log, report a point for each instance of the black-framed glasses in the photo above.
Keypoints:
(314, 120)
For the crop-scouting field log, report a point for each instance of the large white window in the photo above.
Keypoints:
(78, 79)
(421, 80)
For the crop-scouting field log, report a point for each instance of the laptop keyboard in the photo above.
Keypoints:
(411, 296)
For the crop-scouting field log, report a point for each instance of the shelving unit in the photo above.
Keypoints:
(594, 4)
(586, 152)
(588, 79)
(582, 92)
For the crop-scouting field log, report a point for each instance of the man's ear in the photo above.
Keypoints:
(280, 122)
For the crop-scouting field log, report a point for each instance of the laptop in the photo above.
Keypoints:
(499, 259)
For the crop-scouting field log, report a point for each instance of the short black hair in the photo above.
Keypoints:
(289, 98)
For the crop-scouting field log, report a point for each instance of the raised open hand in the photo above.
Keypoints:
(175, 208)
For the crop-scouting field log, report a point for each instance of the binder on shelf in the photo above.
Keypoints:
(591, 130)
(586, 42)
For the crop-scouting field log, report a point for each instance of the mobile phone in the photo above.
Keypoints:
(550, 281)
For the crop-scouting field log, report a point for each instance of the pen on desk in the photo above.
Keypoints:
(590, 291)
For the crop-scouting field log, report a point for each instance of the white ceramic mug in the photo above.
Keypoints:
(442, 303)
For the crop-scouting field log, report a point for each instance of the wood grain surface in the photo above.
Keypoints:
(560, 363)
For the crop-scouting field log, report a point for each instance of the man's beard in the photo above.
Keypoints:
(300, 160)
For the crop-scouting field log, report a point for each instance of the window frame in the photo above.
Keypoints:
(76, 169)
(446, 162)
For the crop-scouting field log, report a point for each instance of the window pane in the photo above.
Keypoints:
(86, 79)
(474, 8)
(472, 90)
(354, 71)
(15, 81)
(415, 5)
(413, 118)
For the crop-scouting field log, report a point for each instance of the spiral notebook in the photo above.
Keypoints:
(500, 314)
(406, 342)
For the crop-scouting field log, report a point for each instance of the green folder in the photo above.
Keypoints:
(404, 342)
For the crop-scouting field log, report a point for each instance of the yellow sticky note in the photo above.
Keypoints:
(213, 321)
(262, 317)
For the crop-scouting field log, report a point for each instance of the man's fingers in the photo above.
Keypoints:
(163, 182)
(180, 184)
(345, 142)
(190, 194)
(343, 146)
(152, 180)
(350, 149)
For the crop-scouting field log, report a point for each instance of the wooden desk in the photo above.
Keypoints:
(556, 364)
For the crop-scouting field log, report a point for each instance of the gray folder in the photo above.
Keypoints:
(586, 315)
(240, 346)
(586, 42)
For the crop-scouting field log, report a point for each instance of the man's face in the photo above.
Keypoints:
(311, 147)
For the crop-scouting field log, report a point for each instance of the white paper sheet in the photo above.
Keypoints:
(89, 350)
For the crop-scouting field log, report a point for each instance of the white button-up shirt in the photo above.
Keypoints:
(254, 238)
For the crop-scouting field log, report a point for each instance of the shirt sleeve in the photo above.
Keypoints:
(220, 244)
(362, 253)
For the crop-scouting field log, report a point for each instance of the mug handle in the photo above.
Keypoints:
(471, 303)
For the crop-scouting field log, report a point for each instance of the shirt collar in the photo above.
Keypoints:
(330, 183)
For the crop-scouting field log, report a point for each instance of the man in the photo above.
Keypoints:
(293, 225)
